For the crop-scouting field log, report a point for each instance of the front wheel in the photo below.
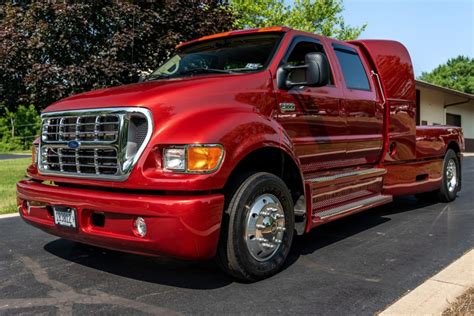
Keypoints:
(257, 228)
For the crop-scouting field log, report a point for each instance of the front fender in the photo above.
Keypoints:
(239, 130)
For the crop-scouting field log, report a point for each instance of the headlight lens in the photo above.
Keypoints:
(193, 158)
(175, 159)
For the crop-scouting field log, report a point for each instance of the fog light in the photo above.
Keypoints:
(140, 226)
(28, 207)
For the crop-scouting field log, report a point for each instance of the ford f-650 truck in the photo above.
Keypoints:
(235, 144)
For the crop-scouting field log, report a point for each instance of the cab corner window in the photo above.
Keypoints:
(352, 69)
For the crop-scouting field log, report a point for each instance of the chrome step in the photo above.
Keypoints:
(365, 173)
(365, 203)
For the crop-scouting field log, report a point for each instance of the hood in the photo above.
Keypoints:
(170, 93)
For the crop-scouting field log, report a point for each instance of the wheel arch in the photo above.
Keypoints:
(272, 159)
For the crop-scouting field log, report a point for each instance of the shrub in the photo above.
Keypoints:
(19, 129)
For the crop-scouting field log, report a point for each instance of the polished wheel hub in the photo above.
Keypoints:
(451, 175)
(265, 227)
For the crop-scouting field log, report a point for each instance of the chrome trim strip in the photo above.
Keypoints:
(366, 172)
(125, 164)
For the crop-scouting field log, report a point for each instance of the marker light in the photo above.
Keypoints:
(204, 158)
(34, 154)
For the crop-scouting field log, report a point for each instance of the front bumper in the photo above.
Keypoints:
(180, 226)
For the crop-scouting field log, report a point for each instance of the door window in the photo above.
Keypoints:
(352, 68)
(297, 58)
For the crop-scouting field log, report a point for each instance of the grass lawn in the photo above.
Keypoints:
(11, 170)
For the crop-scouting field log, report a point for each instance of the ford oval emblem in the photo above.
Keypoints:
(73, 144)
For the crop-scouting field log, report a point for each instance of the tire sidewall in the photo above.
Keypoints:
(450, 195)
(262, 184)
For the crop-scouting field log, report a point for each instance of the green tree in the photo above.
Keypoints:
(457, 74)
(317, 16)
(52, 49)
(18, 129)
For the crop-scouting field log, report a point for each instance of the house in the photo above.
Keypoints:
(437, 105)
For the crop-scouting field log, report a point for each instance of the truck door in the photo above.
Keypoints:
(360, 104)
(312, 116)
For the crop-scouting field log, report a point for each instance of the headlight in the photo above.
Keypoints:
(175, 159)
(193, 158)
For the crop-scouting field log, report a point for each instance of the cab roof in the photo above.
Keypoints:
(282, 29)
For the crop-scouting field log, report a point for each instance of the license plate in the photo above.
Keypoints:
(65, 216)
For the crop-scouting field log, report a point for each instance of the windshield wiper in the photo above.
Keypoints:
(158, 76)
(205, 70)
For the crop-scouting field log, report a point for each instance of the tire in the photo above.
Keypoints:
(451, 177)
(246, 251)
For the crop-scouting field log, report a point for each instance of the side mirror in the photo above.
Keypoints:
(315, 70)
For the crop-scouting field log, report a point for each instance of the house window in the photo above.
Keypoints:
(453, 119)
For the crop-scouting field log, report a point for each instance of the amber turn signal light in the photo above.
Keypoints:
(204, 158)
(34, 154)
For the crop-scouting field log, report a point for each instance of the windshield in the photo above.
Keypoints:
(235, 54)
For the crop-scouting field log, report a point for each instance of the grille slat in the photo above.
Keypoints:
(101, 143)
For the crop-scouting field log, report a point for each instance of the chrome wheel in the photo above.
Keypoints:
(451, 175)
(265, 227)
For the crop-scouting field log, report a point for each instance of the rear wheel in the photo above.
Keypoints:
(257, 228)
(451, 177)
(450, 182)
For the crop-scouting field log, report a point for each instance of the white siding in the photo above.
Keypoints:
(432, 109)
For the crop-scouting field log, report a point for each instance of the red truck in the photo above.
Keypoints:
(235, 144)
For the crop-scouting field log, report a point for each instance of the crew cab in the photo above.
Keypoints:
(235, 144)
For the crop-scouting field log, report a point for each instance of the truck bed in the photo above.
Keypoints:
(433, 141)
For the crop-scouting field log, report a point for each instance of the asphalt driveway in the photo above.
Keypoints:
(357, 265)
(13, 156)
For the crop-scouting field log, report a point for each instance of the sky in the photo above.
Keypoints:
(432, 30)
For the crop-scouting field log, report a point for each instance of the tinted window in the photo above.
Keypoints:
(297, 58)
(353, 70)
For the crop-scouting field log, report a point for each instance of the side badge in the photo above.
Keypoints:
(287, 107)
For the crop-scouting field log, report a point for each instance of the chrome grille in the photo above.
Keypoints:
(103, 143)
(88, 128)
(81, 161)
